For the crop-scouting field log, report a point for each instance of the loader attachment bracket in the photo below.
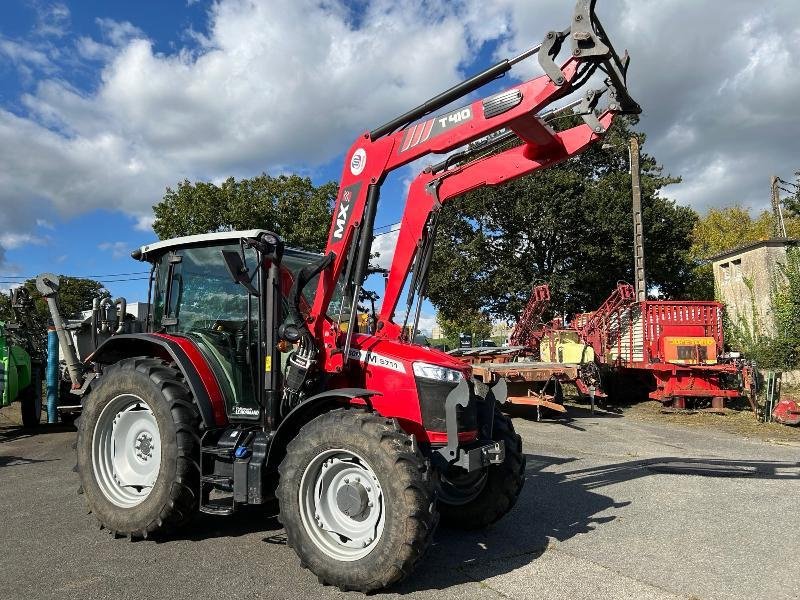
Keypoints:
(589, 42)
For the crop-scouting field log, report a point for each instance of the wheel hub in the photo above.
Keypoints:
(144, 446)
(352, 499)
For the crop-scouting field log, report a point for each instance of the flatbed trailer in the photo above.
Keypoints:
(529, 382)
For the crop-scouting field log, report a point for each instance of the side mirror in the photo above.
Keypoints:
(290, 333)
(237, 270)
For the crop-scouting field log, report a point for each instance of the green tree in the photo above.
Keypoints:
(570, 226)
(290, 205)
(478, 324)
(75, 294)
(792, 203)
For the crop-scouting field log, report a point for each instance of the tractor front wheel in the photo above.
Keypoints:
(356, 499)
(138, 448)
(478, 499)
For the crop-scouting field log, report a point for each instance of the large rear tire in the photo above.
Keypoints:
(30, 407)
(139, 448)
(476, 500)
(357, 500)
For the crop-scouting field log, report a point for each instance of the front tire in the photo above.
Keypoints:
(476, 500)
(138, 448)
(357, 500)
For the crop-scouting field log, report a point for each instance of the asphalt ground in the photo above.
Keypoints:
(612, 508)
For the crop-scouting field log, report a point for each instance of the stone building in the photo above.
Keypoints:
(743, 280)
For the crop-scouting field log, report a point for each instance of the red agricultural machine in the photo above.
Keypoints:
(670, 351)
(253, 384)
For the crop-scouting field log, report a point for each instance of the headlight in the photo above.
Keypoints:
(437, 373)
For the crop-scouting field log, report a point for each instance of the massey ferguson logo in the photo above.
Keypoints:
(343, 211)
(358, 162)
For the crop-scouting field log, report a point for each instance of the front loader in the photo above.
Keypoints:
(253, 385)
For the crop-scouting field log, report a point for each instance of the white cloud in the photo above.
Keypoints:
(426, 324)
(11, 241)
(259, 93)
(145, 223)
(117, 249)
(255, 91)
(717, 87)
(21, 53)
(52, 18)
(384, 245)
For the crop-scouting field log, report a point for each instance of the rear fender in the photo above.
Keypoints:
(184, 354)
(307, 410)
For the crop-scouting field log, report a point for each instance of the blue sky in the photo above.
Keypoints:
(103, 104)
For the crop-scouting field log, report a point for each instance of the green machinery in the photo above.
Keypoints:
(21, 362)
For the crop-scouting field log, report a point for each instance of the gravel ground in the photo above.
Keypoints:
(613, 507)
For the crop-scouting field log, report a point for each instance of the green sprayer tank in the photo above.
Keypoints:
(16, 377)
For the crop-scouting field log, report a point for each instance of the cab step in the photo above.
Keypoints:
(220, 508)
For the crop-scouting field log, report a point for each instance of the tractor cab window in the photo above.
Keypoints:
(198, 298)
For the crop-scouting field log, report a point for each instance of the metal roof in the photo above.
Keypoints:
(775, 242)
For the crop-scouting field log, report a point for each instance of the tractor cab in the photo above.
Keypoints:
(214, 289)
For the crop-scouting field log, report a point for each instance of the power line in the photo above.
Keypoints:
(7, 281)
(26, 277)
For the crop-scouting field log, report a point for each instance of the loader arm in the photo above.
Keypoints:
(411, 135)
(431, 190)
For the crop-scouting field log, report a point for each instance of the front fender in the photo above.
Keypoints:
(180, 350)
(305, 411)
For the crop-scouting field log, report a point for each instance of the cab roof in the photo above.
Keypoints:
(149, 251)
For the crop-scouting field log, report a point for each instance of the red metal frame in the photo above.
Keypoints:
(528, 329)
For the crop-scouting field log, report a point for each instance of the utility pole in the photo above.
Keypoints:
(640, 284)
(778, 226)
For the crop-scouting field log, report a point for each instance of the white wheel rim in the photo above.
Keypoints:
(342, 505)
(126, 451)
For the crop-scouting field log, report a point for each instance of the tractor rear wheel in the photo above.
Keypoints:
(478, 499)
(138, 448)
(357, 500)
(30, 407)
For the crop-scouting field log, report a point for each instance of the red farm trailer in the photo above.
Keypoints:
(672, 349)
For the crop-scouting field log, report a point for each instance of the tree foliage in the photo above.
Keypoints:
(792, 203)
(75, 294)
(290, 205)
(570, 226)
(478, 324)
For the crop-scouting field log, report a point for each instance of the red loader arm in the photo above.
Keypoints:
(430, 191)
(406, 138)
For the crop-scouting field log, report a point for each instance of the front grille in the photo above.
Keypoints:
(432, 396)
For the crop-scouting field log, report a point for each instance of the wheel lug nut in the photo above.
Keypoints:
(347, 480)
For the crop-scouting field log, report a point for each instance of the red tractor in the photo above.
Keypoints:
(253, 385)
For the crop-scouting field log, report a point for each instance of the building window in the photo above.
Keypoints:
(736, 269)
(726, 271)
